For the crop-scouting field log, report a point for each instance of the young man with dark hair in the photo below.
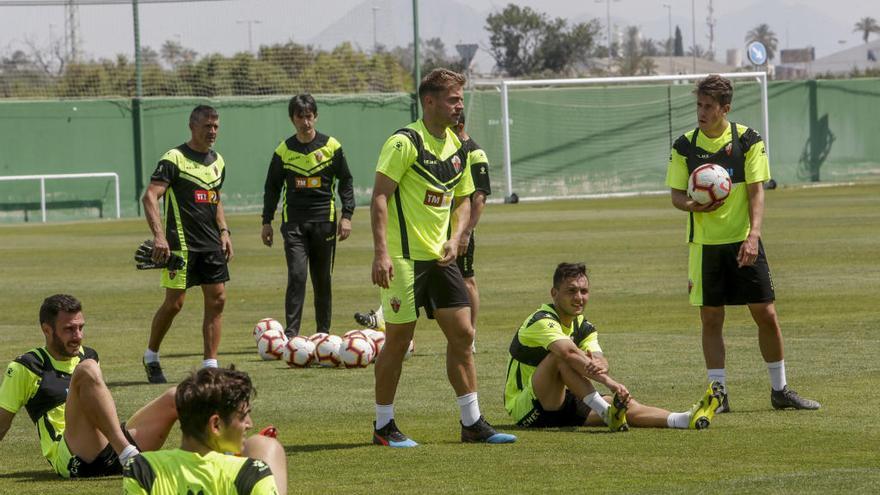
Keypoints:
(306, 167)
(214, 407)
(554, 358)
(62, 388)
(422, 180)
(727, 265)
(189, 178)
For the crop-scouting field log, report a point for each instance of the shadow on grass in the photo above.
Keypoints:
(128, 383)
(241, 352)
(30, 476)
(298, 449)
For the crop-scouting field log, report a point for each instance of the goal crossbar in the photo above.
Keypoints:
(504, 85)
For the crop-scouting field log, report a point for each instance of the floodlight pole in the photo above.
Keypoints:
(417, 69)
(136, 117)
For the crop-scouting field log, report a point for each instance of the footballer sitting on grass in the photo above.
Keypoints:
(62, 388)
(554, 357)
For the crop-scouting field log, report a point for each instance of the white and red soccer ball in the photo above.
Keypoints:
(357, 351)
(267, 324)
(709, 183)
(270, 345)
(327, 349)
(298, 352)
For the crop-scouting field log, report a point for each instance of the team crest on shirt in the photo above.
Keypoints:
(319, 156)
(395, 304)
(729, 149)
(456, 162)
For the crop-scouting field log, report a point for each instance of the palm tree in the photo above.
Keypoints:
(867, 25)
(766, 36)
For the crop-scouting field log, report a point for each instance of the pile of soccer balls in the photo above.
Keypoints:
(355, 349)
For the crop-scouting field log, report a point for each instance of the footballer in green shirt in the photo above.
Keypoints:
(214, 408)
(62, 388)
(727, 264)
(554, 358)
(422, 181)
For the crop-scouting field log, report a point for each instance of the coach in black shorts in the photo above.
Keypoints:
(189, 178)
(308, 167)
(727, 265)
(479, 165)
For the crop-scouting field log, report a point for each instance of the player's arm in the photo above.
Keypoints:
(461, 213)
(225, 238)
(383, 188)
(5, 421)
(478, 202)
(271, 194)
(150, 200)
(587, 365)
(681, 201)
(346, 194)
(748, 250)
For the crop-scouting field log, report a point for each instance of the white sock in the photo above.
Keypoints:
(384, 415)
(595, 402)
(209, 363)
(679, 420)
(470, 408)
(777, 374)
(151, 357)
(717, 375)
(127, 453)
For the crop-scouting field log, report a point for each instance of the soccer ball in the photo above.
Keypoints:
(327, 350)
(266, 324)
(298, 352)
(708, 183)
(377, 338)
(356, 352)
(270, 345)
(356, 333)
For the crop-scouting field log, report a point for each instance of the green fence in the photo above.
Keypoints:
(83, 136)
(597, 140)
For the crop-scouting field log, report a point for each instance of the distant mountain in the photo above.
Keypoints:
(452, 21)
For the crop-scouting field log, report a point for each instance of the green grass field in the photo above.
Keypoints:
(823, 245)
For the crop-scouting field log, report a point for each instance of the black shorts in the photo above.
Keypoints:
(106, 464)
(465, 261)
(716, 280)
(572, 413)
(202, 268)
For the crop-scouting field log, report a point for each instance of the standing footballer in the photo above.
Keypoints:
(193, 226)
(422, 180)
(727, 265)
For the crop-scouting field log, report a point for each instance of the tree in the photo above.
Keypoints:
(525, 42)
(174, 54)
(766, 36)
(867, 25)
(679, 43)
(631, 54)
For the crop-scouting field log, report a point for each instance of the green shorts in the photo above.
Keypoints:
(421, 284)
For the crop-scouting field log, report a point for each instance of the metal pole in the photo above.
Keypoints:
(762, 80)
(375, 40)
(608, 22)
(694, 34)
(669, 40)
(417, 69)
(505, 138)
(136, 117)
(116, 183)
(43, 197)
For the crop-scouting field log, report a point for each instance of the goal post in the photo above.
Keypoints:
(594, 137)
(44, 203)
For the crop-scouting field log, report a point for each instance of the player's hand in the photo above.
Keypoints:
(621, 392)
(226, 245)
(343, 230)
(464, 242)
(267, 235)
(594, 366)
(161, 250)
(706, 208)
(748, 252)
(450, 252)
(383, 271)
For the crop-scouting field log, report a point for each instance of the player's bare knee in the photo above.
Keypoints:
(86, 372)
(217, 303)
